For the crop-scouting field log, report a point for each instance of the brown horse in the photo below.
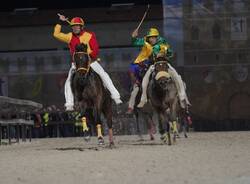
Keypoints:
(163, 96)
(89, 92)
(144, 114)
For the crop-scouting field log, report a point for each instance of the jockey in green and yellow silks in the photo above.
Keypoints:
(150, 45)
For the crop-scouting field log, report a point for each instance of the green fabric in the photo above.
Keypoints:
(139, 42)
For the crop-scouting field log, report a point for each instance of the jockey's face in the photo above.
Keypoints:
(152, 40)
(76, 29)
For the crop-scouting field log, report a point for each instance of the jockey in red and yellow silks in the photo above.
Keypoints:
(72, 39)
(77, 36)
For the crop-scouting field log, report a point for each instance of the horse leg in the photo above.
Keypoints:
(173, 118)
(85, 128)
(99, 127)
(99, 134)
(185, 129)
(138, 130)
(151, 128)
(169, 133)
(160, 126)
(165, 135)
(108, 115)
(184, 126)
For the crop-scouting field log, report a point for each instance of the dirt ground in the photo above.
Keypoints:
(203, 158)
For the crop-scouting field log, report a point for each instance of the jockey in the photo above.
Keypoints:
(152, 45)
(77, 36)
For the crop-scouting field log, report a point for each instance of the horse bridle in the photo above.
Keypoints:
(160, 74)
(83, 68)
(160, 62)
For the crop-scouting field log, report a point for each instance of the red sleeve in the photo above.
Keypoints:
(94, 46)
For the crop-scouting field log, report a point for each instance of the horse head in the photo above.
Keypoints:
(82, 59)
(162, 77)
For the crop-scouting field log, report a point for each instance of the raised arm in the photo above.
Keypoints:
(57, 31)
(138, 42)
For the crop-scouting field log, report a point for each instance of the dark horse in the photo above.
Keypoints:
(145, 114)
(89, 92)
(163, 96)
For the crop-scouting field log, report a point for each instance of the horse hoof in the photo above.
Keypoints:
(100, 141)
(152, 138)
(174, 139)
(164, 138)
(87, 138)
(186, 136)
(111, 145)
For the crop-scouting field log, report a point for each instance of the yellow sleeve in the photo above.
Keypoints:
(61, 36)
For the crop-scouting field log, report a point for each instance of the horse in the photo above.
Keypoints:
(145, 113)
(163, 96)
(184, 121)
(90, 93)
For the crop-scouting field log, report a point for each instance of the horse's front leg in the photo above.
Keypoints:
(85, 128)
(165, 132)
(97, 119)
(173, 118)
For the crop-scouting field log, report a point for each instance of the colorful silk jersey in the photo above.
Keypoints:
(72, 40)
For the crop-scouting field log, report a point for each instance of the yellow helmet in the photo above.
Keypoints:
(152, 32)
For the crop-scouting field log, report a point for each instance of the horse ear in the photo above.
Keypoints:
(85, 47)
(81, 47)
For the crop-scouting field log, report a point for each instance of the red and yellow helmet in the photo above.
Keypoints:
(77, 21)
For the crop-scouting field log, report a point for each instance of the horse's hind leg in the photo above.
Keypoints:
(151, 128)
(138, 129)
(184, 127)
(108, 115)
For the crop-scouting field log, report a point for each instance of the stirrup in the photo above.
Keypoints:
(142, 103)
